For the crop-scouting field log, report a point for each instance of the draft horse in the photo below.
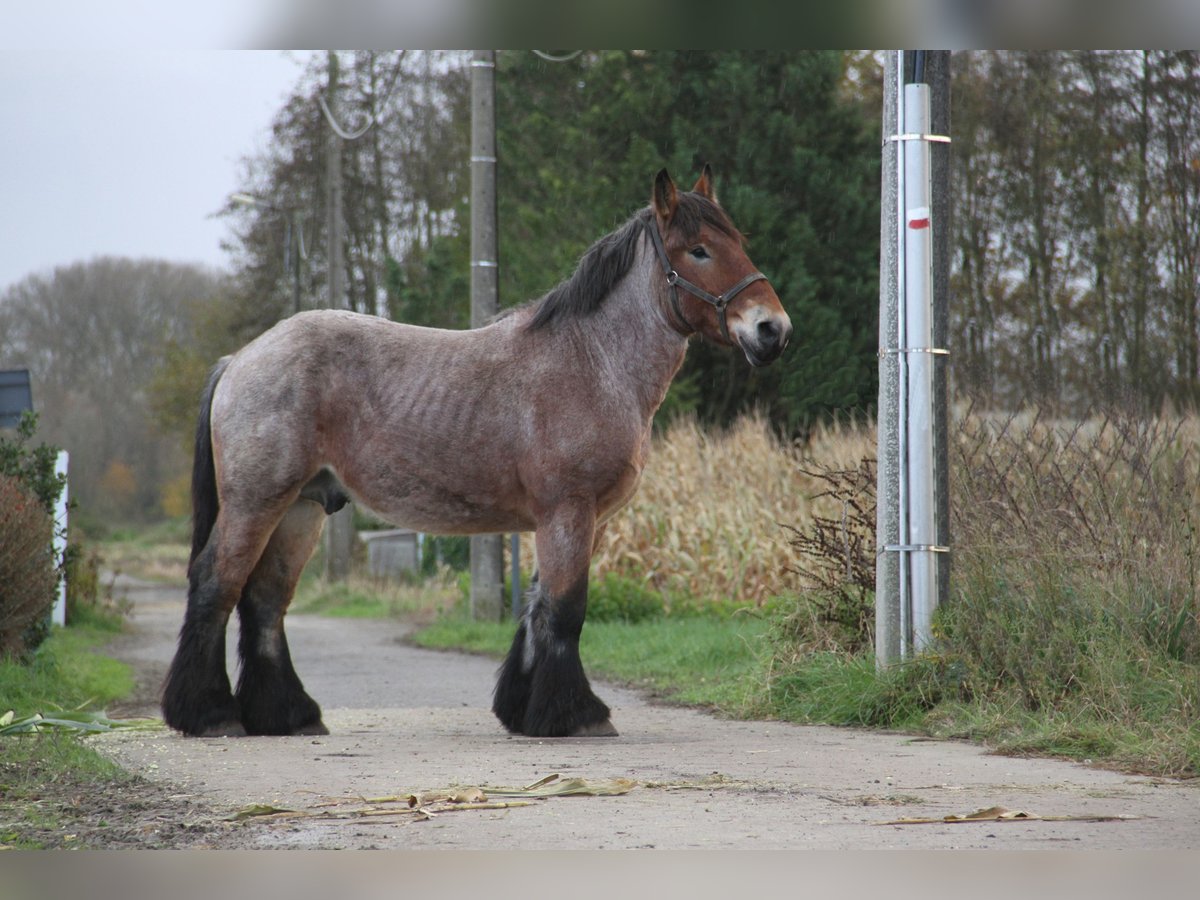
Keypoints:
(539, 421)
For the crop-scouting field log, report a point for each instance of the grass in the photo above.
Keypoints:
(360, 597)
(65, 673)
(41, 773)
(41, 777)
(156, 552)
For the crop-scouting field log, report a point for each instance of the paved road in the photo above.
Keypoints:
(405, 719)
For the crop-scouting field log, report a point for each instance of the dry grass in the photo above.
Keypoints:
(708, 522)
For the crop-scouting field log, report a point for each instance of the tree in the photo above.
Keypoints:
(1077, 227)
(93, 335)
(402, 178)
(1179, 117)
(796, 167)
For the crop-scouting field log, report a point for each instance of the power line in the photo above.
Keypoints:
(346, 135)
(557, 59)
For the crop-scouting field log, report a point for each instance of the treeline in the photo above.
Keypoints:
(1077, 228)
(95, 336)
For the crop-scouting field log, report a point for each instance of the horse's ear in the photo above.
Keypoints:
(665, 199)
(705, 185)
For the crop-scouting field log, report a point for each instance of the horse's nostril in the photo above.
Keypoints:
(767, 330)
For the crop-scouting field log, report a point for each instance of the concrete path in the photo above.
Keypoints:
(405, 720)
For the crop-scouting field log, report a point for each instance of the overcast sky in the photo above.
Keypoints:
(127, 152)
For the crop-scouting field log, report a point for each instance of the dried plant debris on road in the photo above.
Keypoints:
(74, 721)
(428, 804)
(1000, 814)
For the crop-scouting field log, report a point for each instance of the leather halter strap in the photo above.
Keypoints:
(674, 281)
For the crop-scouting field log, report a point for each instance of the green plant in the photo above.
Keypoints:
(617, 599)
(88, 599)
(33, 466)
(440, 550)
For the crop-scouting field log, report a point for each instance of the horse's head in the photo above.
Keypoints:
(713, 287)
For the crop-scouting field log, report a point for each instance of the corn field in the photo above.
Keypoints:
(709, 520)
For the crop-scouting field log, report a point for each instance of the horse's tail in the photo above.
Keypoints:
(204, 474)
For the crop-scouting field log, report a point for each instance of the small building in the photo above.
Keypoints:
(392, 553)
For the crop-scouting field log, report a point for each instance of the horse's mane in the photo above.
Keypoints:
(608, 260)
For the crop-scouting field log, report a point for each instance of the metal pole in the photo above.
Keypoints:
(516, 574)
(912, 512)
(916, 357)
(487, 550)
(339, 535)
(887, 514)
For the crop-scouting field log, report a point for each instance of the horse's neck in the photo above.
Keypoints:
(629, 339)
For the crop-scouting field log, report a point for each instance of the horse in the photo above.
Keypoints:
(539, 421)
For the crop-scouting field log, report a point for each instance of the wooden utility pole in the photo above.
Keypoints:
(339, 532)
(487, 550)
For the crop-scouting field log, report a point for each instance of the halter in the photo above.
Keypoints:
(720, 302)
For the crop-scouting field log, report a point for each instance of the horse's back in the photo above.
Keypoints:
(410, 419)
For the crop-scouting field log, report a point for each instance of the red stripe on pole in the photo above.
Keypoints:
(918, 223)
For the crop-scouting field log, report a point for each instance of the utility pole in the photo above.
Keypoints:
(295, 252)
(912, 525)
(487, 550)
(339, 533)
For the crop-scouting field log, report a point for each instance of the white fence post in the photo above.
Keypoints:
(59, 616)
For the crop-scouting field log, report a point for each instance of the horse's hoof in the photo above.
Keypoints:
(224, 729)
(597, 729)
(314, 728)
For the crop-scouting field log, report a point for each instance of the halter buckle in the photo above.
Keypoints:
(672, 277)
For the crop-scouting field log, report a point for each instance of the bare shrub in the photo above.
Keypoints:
(836, 562)
(1075, 570)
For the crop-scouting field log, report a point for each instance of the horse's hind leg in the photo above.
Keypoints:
(542, 689)
(197, 699)
(269, 693)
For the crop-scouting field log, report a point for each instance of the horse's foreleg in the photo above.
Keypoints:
(542, 689)
(269, 693)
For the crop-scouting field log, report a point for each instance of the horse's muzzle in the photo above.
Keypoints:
(767, 341)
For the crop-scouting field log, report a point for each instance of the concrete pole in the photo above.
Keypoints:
(937, 74)
(295, 242)
(339, 531)
(487, 550)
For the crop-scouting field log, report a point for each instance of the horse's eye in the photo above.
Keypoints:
(699, 252)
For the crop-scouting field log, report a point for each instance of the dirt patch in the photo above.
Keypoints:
(125, 812)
